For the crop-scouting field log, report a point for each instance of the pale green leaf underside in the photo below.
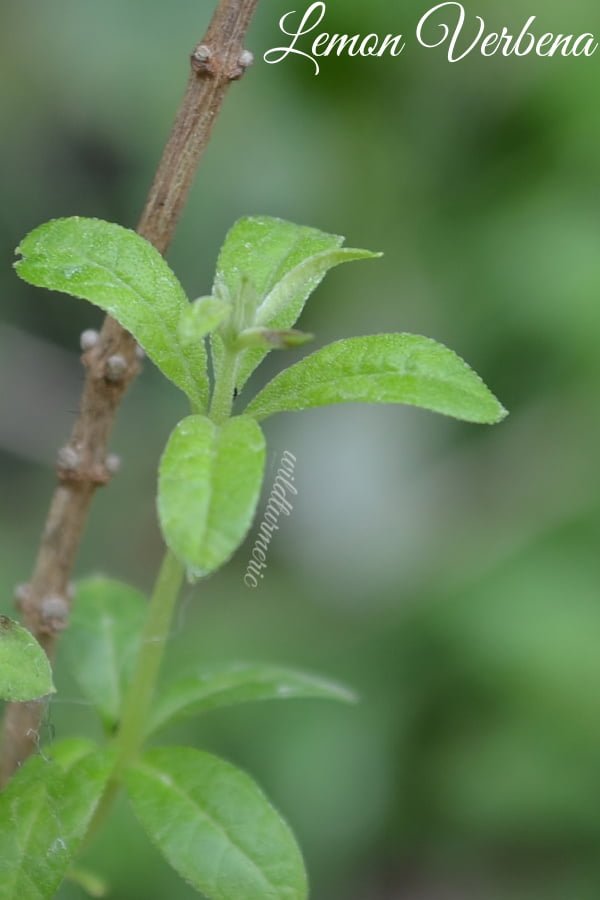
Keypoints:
(44, 813)
(102, 641)
(25, 672)
(267, 250)
(283, 307)
(202, 690)
(124, 275)
(209, 484)
(215, 827)
(285, 302)
(390, 368)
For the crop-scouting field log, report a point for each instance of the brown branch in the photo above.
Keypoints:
(112, 363)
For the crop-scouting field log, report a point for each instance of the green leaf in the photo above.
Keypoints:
(201, 690)
(284, 263)
(267, 339)
(44, 814)
(215, 827)
(209, 485)
(389, 368)
(125, 276)
(93, 885)
(265, 249)
(286, 300)
(202, 317)
(69, 751)
(102, 641)
(25, 672)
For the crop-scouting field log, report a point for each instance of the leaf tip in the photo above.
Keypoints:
(359, 255)
(18, 263)
(499, 414)
(502, 414)
(349, 696)
(194, 575)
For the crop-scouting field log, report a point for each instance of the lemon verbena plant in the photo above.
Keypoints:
(209, 820)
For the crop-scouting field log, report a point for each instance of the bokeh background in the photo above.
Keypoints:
(449, 573)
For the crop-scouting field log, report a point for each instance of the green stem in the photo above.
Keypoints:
(156, 632)
(138, 700)
(222, 399)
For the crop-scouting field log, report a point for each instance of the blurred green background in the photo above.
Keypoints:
(449, 573)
